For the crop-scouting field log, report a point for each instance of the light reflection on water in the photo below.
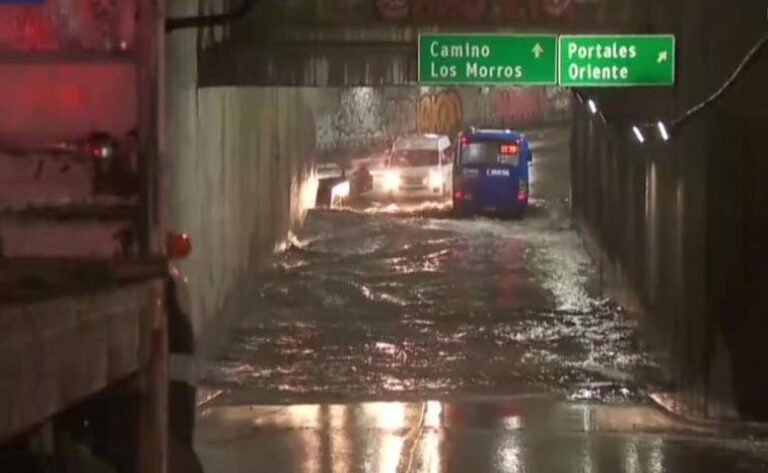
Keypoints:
(389, 455)
(434, 436)
(509, 456)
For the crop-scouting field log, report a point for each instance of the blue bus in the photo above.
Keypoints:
(490, 172)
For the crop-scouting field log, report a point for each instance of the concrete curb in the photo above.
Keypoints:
(675, 407)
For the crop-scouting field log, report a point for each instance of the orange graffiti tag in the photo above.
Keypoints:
(440, 113)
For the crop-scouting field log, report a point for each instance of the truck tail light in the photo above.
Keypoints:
(100, 145)
(101, 151)
(179, 246)
(458, 192)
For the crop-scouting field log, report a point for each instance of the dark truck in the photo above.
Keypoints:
(90, 312)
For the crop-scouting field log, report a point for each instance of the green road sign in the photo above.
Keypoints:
(488, 59)
(605, 61)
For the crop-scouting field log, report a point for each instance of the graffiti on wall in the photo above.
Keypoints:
(451, 11)
(559, 99)
(357, 121)
(511, 106)
(440, 112)
(478, 10)
(514, 106)
(366, 117)
(399, 115)
(393, 10)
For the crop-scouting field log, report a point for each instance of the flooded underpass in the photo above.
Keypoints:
(367, 305)
(394, 337)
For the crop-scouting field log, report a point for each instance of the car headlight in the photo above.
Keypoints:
(340, 191)
(391, 181)
(436, 180)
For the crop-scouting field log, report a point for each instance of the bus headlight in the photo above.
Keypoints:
(436, 180)
(391, 181)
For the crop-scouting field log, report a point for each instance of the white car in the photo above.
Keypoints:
(418, 166)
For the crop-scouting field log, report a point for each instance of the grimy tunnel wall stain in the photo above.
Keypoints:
(681, 229)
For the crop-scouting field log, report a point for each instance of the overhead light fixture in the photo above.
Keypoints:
(663, 131)
(638, 134)
(592, 106)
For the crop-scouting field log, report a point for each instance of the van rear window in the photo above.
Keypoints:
(415, 158)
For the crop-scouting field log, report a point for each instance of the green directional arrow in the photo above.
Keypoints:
(537, 50)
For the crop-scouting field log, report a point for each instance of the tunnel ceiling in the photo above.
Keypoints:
(373, 42)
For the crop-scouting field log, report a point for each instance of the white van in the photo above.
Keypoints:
(419, 166)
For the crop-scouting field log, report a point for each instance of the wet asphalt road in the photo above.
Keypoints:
(399, 339)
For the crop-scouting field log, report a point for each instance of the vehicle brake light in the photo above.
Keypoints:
(179, 245)
(522, 193)
(459, 195)
(465, 140)
(99, 151)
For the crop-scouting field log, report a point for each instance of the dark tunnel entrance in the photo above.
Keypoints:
(400, 301)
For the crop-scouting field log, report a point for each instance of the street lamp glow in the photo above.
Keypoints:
(663, 131)
(592, 106)
(638, 134)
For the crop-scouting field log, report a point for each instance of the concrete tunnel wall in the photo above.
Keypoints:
(239, 162)
(680, 229)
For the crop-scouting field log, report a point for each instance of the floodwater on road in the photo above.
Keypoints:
(382, 305)
(394, 338)
(402, 301)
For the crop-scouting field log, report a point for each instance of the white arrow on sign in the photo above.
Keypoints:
(663, 57)
(537, 50)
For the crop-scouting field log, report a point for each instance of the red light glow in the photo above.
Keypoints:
(179, 246)
(509, 149)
